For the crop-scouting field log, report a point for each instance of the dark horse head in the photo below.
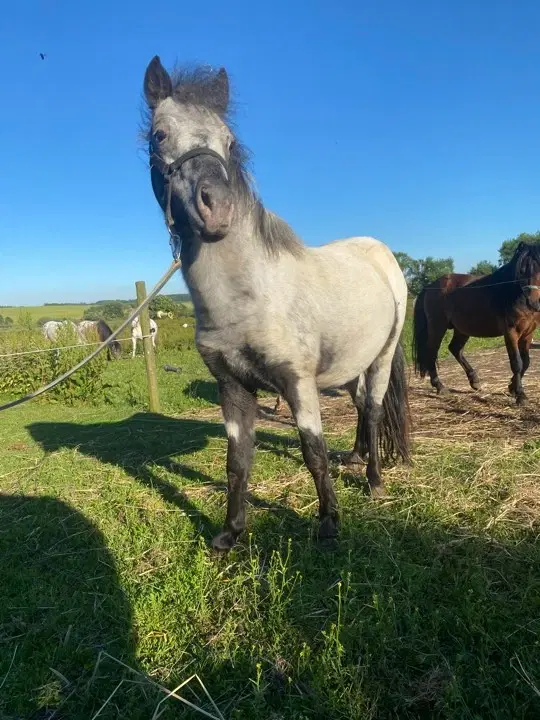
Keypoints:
(526, 266)
(104, 332)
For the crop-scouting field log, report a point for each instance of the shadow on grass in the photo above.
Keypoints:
(410, 616)
(143, 445)
(60, 605)
(204, 389)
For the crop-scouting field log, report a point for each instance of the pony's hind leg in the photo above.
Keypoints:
(239, 407)
(387, 420)
(357, 391)
(303, 399)
(458, 342)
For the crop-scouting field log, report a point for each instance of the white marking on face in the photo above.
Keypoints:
(232, 429)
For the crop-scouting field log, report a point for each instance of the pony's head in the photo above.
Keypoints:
(526, 261)
(194, 158)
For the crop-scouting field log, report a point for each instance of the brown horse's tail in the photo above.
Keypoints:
(420, 347)
(396, 421)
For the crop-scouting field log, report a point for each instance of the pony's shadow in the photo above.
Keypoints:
(204, 389)
(151, 446)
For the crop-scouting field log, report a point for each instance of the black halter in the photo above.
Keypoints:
(168, 170)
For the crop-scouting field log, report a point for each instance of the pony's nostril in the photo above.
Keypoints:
(206, 198)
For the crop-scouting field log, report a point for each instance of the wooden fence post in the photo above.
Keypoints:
(149, 357)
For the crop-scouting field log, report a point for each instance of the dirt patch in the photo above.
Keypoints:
(461, 414)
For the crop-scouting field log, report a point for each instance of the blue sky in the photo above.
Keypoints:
(416, 122)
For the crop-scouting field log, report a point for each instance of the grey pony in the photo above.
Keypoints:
(271, 313)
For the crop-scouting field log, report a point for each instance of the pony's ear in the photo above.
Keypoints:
(522, 245)
(157, 83)
(220, 90)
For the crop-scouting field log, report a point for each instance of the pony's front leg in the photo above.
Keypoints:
(133, 347)
(239, 407)
(511, 339)
(304, 402)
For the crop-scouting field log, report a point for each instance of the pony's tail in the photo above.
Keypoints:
(395, 427)
(420, 348)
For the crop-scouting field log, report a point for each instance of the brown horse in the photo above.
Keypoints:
(505, 303)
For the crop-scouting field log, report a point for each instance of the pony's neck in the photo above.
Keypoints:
(227, 276)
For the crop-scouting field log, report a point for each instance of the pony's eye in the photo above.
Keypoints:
(159, 136)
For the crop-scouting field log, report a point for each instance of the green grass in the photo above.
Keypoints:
(53, 312)
(428, 607)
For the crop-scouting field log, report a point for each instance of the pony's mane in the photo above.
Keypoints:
(196, 86)
(526, 261)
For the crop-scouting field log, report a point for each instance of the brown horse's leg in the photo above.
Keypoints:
(511, 339)
(435, 338)
(458, 342)
(524, 347)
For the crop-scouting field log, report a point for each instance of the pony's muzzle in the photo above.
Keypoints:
(215, 206)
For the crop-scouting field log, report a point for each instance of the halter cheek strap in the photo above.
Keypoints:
(531, 287)
(168, 170)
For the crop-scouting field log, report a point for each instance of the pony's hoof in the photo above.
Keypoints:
(224, 541)
(328, 528)
(353, 459)
(378, 492)
(475, 383)
(521, 399)
(440, 389)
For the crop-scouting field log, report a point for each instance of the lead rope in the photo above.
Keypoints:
(175, 247)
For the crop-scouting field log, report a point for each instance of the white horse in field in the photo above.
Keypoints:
(136, 333)
(51, 329)
(162, 314)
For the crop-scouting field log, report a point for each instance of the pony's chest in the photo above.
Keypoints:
(243, 363)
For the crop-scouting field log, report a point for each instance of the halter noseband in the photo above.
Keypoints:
(168, 170)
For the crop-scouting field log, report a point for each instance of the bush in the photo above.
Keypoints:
(25, 373)
(172, 336)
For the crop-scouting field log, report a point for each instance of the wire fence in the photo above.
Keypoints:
(67, 347)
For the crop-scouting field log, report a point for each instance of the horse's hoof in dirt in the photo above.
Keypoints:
(328, 528)
(521, 400)
(378, 492)
(440, 389)
(224, 541)
(475, 383)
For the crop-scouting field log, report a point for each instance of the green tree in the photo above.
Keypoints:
(106, 311)
(484, 267)
(165, 304)
(508, 247)
(419, 273)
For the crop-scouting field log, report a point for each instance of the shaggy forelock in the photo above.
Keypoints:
(527, 260)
